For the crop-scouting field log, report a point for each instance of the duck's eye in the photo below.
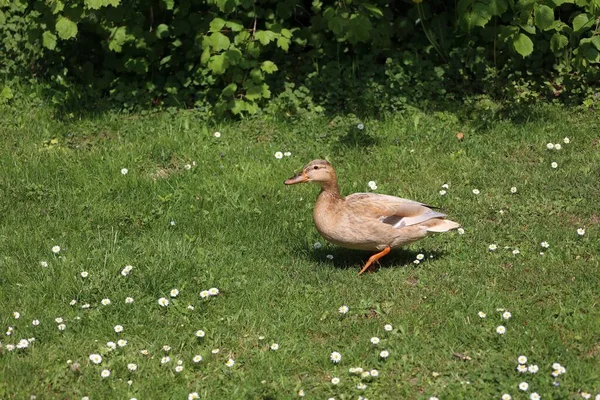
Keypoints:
(316, 167)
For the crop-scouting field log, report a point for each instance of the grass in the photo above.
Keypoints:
(230, 223)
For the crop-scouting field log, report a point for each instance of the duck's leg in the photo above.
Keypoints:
(375, 258)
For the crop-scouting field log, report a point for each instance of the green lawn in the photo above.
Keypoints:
(196, 212)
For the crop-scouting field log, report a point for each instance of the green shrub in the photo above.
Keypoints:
(243, 56)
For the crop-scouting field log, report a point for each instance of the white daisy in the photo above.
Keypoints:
(329, 256)
(193, 396)
(534, 396)
(375, 340)
(118, 328)
(287, 153)
(372, 185)
(481, 314)
(566, 140)
(144, 352)
(179, 368)
(122, 342)
(131, 366)
(476, 191)
(217, 134)
(61, 327)
(105, 373)
(554, 165)
(84, 274)
(416, 262)
(23, 344)
(533, 369)
(174, 292)
(524, 386)
(124, 171)
(56, 249)
(43, 264)
(335, 380)
(215, 351)
(545, 245)
(163, 302)
(301, 393)
(197, 358)
(95, 358)
(522, 368)
(374, 373)
(58, 320)
(343, 309)
(200, 333)
(550, 146)
(586, 395)
(204, 294)
(278, 155)
(126, 270)
(129, 300)
(274, 346)
(35, 322)
(442, 192)
(73, 302)
(581, 231)
(361, 386)
(445, 186)
(506, 396)
(213, 291)
(317, 245)
(501, 330)
(388, 327)
(166, 347)
(335, 357)
(516, 251)
(10, 347)
(557, 146)
(85, 306)
(360, 126)
(460, 231)
(506, 315)
(230, 362)
(165, 359)
(384, 354)
(105, 302)
(190, 307)
(420, 256)
(111, 345)
(492, 247)
(522, 360)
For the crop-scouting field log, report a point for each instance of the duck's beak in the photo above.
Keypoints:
(300, 178)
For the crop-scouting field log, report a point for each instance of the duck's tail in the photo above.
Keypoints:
(441, 225)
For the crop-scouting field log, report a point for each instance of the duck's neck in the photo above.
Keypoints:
(330, 190)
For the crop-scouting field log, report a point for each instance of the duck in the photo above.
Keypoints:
(367, 221)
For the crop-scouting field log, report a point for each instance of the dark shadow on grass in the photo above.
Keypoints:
(356, 259)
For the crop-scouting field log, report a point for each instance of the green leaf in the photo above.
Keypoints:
(216, 25)
(479, 15)
(117, 39)
(589, 52)
(264, 37)
(269, 67)
(49, 40)
(544, 17)
(6, 93)
(66, 28)
(596, 41)
(374, 10)
(169, 4)
(162, 31)
(238, 106)
(359, 29)
(234, 26)
(254, 92)
(165, 60)
(205, 57)
(558, 41)
(581, 22)
(523, 45)
(219, 42)
(57, 7)
(283, 43)
(498, 7)
(98, 4)
(229, 90)
(218, 64)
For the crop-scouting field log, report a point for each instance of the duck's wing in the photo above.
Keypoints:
(391, 210)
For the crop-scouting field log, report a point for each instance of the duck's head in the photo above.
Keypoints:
(319, 171)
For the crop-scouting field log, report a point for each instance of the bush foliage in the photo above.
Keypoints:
(242, 56)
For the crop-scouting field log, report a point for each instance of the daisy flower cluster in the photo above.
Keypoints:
(279, 155)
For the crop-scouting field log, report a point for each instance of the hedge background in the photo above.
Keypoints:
(243, 56)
